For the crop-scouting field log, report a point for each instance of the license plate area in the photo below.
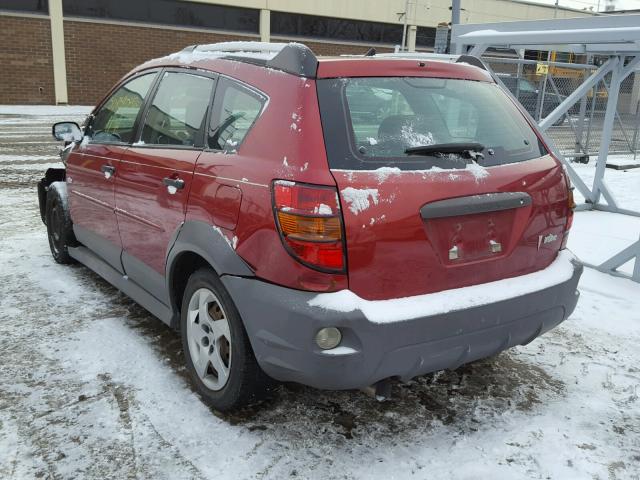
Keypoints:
(471, 237)
(473, 228)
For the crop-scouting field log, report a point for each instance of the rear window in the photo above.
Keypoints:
(369, 122)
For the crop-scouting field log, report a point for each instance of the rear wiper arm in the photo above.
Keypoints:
(471, 149)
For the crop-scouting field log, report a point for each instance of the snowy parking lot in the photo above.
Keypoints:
(92, 386)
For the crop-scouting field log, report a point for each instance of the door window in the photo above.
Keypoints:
(235, 110)
(176, 115)
(115, 120)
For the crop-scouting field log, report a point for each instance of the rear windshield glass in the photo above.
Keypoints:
(369, 122)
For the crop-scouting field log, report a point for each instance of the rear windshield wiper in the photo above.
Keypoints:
(471, 149)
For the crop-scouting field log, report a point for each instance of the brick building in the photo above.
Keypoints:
(73, 51)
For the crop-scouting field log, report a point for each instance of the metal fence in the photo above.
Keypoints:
(541, 86)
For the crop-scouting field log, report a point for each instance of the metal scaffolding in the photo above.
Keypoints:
(614, 36)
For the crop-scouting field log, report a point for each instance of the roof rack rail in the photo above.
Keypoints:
(472, 60)
(419, 56)
(294, 58)
(468, 59)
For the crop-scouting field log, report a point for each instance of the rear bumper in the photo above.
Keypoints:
(281, 326)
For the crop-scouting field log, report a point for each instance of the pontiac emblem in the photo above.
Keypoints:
(542, 240)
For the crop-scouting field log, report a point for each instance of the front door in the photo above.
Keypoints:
(93, 166)
(154, 175)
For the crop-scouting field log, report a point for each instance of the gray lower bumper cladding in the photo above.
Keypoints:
(281, 326)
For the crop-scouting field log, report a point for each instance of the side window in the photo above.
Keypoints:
(115, 120)
(178, 110)
(235, 109)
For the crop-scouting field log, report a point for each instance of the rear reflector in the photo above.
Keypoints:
(310, 223)
(571, 205)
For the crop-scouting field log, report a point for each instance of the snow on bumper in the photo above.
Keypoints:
(407, 308)
(400, 338)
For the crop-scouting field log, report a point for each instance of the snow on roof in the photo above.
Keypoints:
(256, 50)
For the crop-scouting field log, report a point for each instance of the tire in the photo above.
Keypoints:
(59, 225)
(224, 370)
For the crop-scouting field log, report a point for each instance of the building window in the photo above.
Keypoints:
(297, 25)
(426, 37)
(29, 6)
(167, 12)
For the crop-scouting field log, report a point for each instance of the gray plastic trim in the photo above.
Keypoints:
(472, 60)
(102, 247)
(146, 277)
(122, 283)
(488, 202)
(210, 243)
(297, 59)
(281, 326)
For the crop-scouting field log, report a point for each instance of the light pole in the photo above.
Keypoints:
(455, 12)
(404, 26)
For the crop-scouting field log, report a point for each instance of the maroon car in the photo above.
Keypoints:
(336, 222)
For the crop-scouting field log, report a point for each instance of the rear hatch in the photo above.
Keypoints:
(477, 197)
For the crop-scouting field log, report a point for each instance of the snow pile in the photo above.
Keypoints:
(254, 50)
(383, 172)
(416, 139)
(476, 170)
(407, 308)
(359, 199)
(232, 242)
(226, 49)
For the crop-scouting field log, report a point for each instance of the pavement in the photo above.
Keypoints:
(92, 386)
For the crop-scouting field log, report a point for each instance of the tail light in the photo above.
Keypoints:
(571, 205)
(310, 223)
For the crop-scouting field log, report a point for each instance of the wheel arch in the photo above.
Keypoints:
(199, 245)
(52, 175)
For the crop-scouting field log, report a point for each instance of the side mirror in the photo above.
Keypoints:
(67, 132)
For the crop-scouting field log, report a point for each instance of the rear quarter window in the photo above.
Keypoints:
(236, 107)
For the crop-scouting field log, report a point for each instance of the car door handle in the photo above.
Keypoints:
(173, 184)
(108, 171)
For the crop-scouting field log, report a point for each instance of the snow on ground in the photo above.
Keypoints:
(595, 236)
(91, 386)
(624, 184)
(45, 110)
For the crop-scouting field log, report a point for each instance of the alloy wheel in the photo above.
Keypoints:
(209, 339)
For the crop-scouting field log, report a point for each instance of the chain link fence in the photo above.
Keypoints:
(542, 85)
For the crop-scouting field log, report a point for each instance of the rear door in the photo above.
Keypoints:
(155, 174)
(93, 167)
(417, 224)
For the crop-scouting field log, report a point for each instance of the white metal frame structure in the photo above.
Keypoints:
(617, 36)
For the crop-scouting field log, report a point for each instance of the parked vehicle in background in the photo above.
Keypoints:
(529, 95)
(336, 222)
